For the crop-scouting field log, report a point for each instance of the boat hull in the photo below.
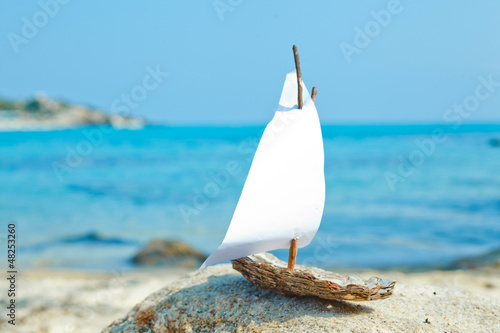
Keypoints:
(267, 271)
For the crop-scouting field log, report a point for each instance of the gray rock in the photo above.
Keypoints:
(217, 299)
(167, 253)
(495, 142)
(490, 259)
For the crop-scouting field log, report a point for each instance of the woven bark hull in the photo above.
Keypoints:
(267, 271)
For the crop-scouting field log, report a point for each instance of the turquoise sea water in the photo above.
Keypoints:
(60, 187)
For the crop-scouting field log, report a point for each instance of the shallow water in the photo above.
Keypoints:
(128, 187)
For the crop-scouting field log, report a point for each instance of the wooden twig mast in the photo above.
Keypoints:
(313, 94)
(292, 254)
(299, 75)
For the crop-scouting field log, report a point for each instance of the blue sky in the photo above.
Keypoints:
(228, 66)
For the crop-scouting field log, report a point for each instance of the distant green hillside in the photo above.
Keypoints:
(42, 112)
(8, 105)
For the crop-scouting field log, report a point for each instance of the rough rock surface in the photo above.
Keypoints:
(161, 252)
(218, 299)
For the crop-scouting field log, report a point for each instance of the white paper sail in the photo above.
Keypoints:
(284, 194)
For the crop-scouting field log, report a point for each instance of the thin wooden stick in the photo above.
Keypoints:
(299, 75)
(292, 254)
(313, 94)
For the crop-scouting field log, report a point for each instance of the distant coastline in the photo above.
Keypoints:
(43, 113)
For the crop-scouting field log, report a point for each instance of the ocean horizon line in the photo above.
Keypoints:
(447, 127)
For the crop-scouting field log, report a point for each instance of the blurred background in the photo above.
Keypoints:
(117, 116)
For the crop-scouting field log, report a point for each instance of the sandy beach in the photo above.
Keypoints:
(72, 301)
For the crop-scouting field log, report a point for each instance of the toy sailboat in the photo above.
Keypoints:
(281, 206)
